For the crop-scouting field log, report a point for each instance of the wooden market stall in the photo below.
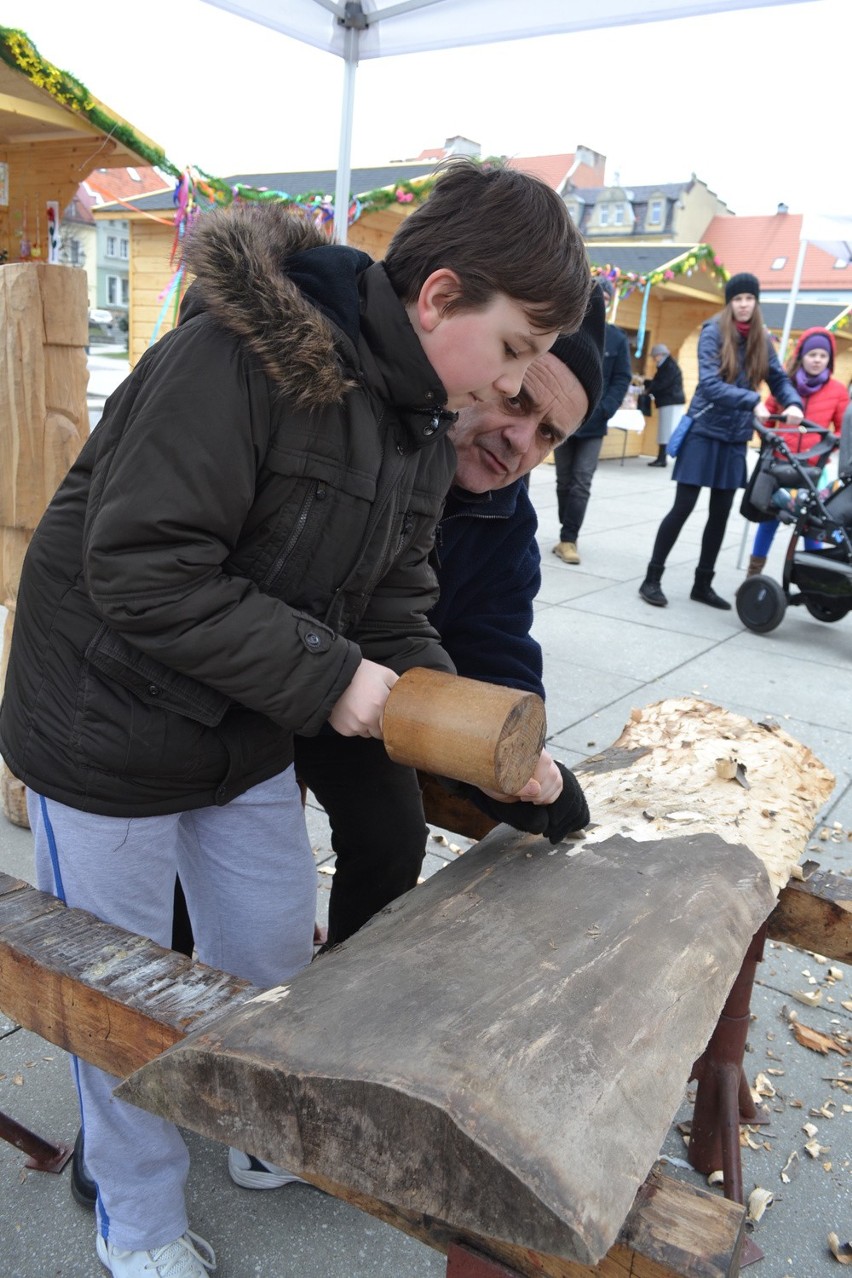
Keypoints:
(51, 131)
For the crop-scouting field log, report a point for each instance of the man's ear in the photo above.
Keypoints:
(437, 291)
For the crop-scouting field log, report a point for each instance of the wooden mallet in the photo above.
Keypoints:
(482, 733)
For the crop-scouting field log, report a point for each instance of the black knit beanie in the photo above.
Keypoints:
(582, 352)
(744, 282)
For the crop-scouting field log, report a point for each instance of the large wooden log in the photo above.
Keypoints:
(117, 1000)
(43, 422)
(527, 1004)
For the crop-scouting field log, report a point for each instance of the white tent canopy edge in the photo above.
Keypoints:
(356, 30)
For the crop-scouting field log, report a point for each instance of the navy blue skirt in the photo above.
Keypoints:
(710, 463)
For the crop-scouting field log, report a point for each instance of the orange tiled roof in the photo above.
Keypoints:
(120, 184)
(754, 243)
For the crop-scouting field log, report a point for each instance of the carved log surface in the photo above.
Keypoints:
(661, 777)
(460, 1055)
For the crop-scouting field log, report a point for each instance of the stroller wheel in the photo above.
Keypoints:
(761, 604)
(827, 609)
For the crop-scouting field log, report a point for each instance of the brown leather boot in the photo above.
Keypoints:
(756, 565)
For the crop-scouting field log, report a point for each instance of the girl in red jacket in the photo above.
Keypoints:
(824, 399)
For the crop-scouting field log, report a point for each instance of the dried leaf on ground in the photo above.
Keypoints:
(788, 1171)
(811, 998)
(815, 1040)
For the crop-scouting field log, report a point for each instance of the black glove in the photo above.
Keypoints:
(567, 813)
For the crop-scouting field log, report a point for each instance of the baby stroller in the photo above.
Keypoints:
(820, 579)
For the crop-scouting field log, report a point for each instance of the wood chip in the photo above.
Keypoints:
(811, 998)
(815, 1149)
(762, 1086)
(758, 1200)
(840, 1251)
(790, 1168)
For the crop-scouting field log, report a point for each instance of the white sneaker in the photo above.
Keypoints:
(182, 1258)
(253, 1173)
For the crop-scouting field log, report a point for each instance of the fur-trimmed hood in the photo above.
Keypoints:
(253, 266)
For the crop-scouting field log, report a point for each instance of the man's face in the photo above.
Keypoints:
(496, 443)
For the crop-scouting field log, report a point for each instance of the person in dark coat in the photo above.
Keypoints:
(240, 553)
(735, 355)
(666, 386)
(576, 462)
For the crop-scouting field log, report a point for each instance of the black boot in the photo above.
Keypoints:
(661, 457)
(703, 592)
(650, 590)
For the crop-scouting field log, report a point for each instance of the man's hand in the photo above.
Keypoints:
(793, 415)
(568, 812)
(543, 787)
(358, 712)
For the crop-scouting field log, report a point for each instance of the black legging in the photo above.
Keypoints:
(721, 500)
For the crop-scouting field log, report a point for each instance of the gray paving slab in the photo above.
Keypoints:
(605, 651)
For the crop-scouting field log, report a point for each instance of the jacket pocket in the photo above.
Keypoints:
(154, 683)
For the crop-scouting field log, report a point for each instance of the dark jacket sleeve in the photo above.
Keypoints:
(782, 388)
(489, 578)
(620, 374)
(714, 389)
(162, 525)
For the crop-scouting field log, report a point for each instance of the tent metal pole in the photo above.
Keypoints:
(794, 297)
(344, 156)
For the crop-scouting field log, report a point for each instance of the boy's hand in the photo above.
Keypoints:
(358, 712)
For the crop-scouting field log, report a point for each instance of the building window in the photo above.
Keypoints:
(603, 218)
(618, 216)
(125, 291)
(124, 248)
(840, 264)
(655, 212)
(778, 264)
(112, 246)
(74, 253)
(113, 290)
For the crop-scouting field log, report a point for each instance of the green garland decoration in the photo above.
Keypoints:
(700, 258)
(19, 52)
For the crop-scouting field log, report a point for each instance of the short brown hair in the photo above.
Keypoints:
(501, 231)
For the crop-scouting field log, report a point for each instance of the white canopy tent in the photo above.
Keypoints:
(831, 234)
(356, 30)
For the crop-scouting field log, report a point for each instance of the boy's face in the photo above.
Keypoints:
(497, 443)
(480, 355)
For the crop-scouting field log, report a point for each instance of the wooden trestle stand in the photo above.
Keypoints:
(447, 1068)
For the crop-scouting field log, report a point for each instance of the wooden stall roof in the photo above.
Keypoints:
(39, 103)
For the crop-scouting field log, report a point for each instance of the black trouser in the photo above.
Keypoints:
(378, 830)
(721, 500)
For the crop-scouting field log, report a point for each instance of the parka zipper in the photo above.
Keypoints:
(292, 540)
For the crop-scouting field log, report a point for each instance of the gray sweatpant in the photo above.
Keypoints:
(250, 884)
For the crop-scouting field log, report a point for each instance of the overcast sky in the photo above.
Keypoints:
(750, 101)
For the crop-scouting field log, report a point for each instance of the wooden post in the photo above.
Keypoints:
(482, 733)
(43, 422)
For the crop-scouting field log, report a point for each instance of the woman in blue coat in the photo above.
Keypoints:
(735, 355)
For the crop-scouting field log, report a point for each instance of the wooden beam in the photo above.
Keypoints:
(114, 998)
(816, 915)
(65, 121)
